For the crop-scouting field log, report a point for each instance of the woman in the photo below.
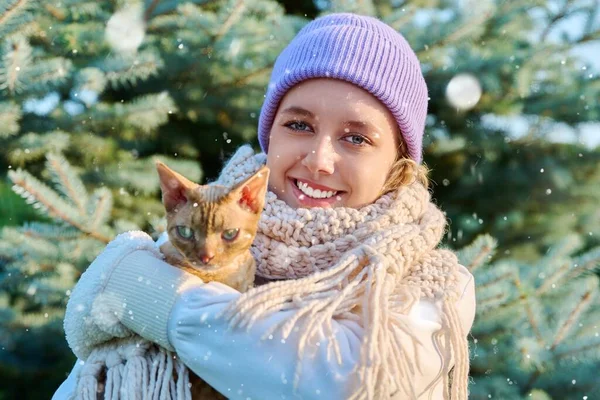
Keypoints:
(355, 300)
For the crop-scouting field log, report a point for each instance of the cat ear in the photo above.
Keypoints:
(174, 186)
(250, 193)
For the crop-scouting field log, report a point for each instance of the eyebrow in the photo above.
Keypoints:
(306, 113)
(358, 124)
(299, 110)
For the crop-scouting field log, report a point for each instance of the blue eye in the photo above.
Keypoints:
(358, 140)
(298, 126)
(184, 231)
(230, 234)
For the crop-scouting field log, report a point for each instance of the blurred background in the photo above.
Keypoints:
(91, 92)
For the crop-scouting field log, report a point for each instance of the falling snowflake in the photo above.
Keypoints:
(463, 91)
(125, 30)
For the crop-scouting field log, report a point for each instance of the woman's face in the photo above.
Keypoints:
(332, 144)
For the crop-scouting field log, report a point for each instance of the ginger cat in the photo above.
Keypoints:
(211, 229)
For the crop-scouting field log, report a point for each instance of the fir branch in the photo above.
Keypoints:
(150, 10)
(80, 251)
(496, 281)
(42, 197)
(243, 80)
(561, 14)
(530, 314)
(483, 303)
(586, 263)
(17, 58)
(189, 17)
(58, 13)
(167, 6)
(578, 349)
(11, 10)
(575, 313)
(463, 31)
(9, 16)
(121, 71)
(592, 17)
(30, 29)
(90, 79)
(565, 12)
(588, 37)
(532, 379)
(100, 205)
(140, 174)
(552, 279)
(39, 319)
(67, 181)
(233, 16)
(93, 9)
(33, 146)
(589, 330)
(46, 74)
(29, 248)
(398, 19)
(476, 253)
(364, 7)
(10, 114)
(459, 34)
(544, 51)
(148, 112)
(37, 230)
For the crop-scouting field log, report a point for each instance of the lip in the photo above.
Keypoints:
(309, 202)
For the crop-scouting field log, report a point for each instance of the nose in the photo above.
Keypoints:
(320, 158)
(206, 257)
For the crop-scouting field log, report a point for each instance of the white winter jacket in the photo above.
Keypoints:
(177, 310)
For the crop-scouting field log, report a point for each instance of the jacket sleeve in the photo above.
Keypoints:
(242, 364)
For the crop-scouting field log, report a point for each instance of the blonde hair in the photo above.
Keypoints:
(405, 171)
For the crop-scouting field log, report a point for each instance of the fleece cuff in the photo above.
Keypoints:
(142, 290)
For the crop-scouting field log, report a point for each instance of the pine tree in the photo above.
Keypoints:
(537, 333)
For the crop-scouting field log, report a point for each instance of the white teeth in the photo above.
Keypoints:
(314, 193)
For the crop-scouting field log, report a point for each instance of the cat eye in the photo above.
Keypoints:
(184, 231)
(230, 234)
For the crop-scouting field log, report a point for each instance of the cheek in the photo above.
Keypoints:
(280, 158)
(367, 179)
(276, 170)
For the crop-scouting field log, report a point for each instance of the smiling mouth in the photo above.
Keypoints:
(315, 193)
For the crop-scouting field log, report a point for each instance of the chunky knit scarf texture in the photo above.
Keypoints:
(370, 265)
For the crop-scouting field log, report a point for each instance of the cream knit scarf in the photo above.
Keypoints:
(370, 265)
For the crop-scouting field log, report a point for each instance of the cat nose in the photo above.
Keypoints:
(205, 258)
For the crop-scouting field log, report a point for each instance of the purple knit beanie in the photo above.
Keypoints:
(360, 50)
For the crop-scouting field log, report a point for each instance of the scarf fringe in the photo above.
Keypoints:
(134, 369)
(318, 299)
(460, 351)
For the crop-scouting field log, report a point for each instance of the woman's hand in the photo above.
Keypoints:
(97, 309)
